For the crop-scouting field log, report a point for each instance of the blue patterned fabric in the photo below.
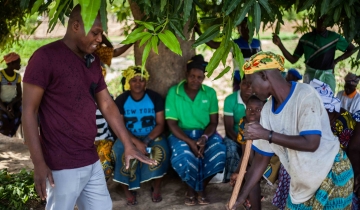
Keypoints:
(356, 116)
(233, 155)
(141, 172)
(191, 169)
(335, 192)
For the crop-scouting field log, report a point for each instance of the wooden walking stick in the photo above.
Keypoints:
(241, 175)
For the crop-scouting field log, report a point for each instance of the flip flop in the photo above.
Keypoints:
(190, 201)
(155, 197)
(132, 200)
(203, 200)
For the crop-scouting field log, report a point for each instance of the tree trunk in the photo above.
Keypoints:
(167, 68)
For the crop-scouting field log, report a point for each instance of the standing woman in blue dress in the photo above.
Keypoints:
(142, 111)
(198, 152)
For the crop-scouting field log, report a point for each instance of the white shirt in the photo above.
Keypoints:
(350, 104)
(302, 113)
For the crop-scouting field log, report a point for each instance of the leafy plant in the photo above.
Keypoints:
(16, 189)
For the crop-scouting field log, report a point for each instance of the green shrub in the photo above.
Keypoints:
(16, 189)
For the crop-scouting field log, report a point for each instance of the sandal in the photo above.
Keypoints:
(131, 201)
(190, 201)
(155, 197)
(203, 200)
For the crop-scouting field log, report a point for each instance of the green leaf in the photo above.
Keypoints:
(162, 5)
(54, 20)
(147, 25)
(133, 38)
(306, 5)
(337, 13)
(36, 6)
(241, 15)
(208, 19)
(226, 53)
(175, 25)
(228, 32)
(232, 6)
(154, 44)
(144, 39)
(324, 7)
(89, 11)
(226, 70)
(265, 4)
(277, 28)
(257, 16)
(188, 4)
(53, 6)
(145, 54)
(214, 61)
(193, 18)
(103, 15)
(208, 35)
(239, 58)
(24, 4)
(170, 41)
(347, 10)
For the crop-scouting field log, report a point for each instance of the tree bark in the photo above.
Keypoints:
(167, 68)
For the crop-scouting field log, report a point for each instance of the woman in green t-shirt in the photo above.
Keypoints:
(191, 111)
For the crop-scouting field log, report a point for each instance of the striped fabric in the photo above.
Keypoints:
(103, 131)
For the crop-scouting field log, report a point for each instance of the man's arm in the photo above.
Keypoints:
(31, 102)
(112, 115)
(349, 51)
(277, 41)
(119, 51)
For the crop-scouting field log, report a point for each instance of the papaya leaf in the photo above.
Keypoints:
(154, 44)
(131, 39)
(265, 4)
(144, 39)
(36, 6)
(226, 70)
(145, 54)
(214, 61)
(176, 26)
(257, 16)
(89, 11)
(147, 25)
(103, 15)
(208, 35)
(188, 4)
(162, 5)
(170, 41)
(232, 5)
(238, 56)
(241, 15)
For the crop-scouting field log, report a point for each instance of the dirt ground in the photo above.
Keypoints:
(15, 156)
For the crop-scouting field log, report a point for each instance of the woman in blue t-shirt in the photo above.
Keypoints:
(142, 111)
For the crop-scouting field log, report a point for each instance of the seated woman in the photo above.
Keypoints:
(234, 110)
(198, 152)
(342, 125)
(10, 95)
(142, 111)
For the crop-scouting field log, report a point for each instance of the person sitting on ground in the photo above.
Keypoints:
(253, 109)
(247, 49)
(10, 95)
(319, 48)
(234, 110)
(293, 75)
(295, 126)
(198, 152)
(142, 111)
(349, 97)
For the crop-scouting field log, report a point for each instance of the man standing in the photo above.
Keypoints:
(349, 97)
(295, 126)
(62, 85)
(319, 48)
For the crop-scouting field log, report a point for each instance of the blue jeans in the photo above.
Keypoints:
(85, 187)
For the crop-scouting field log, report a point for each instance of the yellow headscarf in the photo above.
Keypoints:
(263, 61)
(131, 72)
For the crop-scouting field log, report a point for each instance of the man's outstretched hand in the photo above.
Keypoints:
(133, 153)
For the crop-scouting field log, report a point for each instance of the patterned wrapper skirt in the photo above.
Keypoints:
(106, 157)
(191, 169)
(335, 192)
(140, 172)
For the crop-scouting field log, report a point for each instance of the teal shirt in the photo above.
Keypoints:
(191, 114)
(235, 107)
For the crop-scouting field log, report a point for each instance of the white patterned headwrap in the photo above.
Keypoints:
(331, 103)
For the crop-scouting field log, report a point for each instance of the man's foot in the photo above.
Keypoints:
(155, 197)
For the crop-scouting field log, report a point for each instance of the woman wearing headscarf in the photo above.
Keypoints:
(198, 152)
(295, 126)
(142, 111)
(342, 125)
(10, 95)
(349, 97)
